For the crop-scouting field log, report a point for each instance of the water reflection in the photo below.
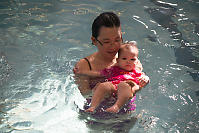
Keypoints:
(164, 15)
(107, 122)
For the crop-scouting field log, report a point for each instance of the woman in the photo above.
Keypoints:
(107, 37)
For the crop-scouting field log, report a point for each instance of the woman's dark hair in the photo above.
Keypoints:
(107, 19)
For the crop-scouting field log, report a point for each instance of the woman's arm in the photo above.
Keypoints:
(144, 79)
(138, 66)
(88, 73)
(80, 80)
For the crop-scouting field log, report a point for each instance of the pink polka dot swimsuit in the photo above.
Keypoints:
(116, 74)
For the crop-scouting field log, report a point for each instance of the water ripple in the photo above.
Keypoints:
(5, 69)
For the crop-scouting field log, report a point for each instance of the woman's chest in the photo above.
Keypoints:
(99, 66)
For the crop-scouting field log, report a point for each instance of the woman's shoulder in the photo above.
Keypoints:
(83, 64)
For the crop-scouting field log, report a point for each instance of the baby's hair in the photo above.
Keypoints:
(128, 45)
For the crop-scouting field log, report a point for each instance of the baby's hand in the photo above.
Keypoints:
(144, 80)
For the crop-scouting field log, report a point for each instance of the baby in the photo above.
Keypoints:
(122, 79)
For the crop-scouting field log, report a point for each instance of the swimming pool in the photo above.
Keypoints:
(40, 41)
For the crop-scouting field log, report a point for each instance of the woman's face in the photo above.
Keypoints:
(109, 41)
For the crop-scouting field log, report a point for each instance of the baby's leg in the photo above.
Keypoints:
(100, 92)
(125, 92)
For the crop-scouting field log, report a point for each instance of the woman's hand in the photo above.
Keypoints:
(76, 70)
(144, 80)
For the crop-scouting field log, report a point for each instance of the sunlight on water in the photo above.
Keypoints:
(49, 110)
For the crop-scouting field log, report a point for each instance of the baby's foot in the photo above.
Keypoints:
(91, 109)
(113, 109)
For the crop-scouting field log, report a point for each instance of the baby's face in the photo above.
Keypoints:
(127, 60)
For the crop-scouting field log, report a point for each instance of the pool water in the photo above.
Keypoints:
(40, 41)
